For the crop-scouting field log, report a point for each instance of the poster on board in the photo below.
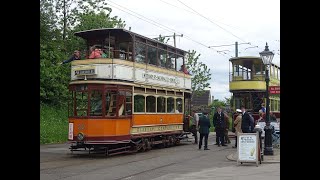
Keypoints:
(248, 147)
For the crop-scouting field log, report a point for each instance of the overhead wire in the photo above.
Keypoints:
(211, 21)
(158, 24)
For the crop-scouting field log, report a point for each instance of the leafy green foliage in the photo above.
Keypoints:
(200, 72)
(59, 19)
(53, 124)
(162, 39)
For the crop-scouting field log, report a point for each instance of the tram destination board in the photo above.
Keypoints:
(79, 72)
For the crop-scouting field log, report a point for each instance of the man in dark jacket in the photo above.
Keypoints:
(204, 126)
(245, 124)
(220, 126)
(76, 56)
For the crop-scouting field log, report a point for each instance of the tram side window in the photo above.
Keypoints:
(71, 103)
(179, 105)
(161, 105)
(236, 70)
(128, 103)
(152, 55)
(96, 103)
(258, 69)
(140, 53)
(111, 102)
(82, 103)
(139, 103)
(171, 60)
(151, 104)
(179, 63)
(170, 105)
(162, 57)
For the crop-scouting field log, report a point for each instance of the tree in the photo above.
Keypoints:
(69, 11)
(57, 42)
(200, 73)
(162, 39)
(217, 103)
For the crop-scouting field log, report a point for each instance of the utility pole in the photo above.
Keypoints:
(236, 49)
(174, 38)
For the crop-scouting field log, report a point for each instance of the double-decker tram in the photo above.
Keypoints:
(130, 96)
(248, 86)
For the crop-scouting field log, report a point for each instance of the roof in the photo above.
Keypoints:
(201, 100)
(103, 32)
(249, 59)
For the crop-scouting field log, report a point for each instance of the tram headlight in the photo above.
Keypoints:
(80, 136)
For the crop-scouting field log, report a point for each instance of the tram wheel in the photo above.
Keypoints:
(171, 141)
(147, 144)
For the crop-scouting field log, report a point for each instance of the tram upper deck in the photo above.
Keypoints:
(130, 57)
(248, 73)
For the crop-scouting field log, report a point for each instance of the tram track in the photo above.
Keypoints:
(140, 160)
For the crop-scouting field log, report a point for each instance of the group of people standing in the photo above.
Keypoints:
(202, 124)
(221, 123)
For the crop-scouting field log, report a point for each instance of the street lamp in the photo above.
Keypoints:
(267, 57)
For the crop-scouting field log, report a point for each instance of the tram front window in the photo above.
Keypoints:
(128, 103)
(71, 104)
(82, 103)
(96, 103)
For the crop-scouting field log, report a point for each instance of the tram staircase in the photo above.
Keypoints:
(112, 107)
(113, 103)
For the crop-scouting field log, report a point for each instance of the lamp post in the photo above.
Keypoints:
(267, 57)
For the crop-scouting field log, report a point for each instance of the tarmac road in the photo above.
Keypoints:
(179, 162)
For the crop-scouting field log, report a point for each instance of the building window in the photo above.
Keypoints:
(170, 105)
(151, 104)
(161, 105)
(139, 102)
(95, 103)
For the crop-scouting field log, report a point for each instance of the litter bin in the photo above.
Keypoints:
(259, 130)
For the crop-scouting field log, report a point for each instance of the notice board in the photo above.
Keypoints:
(248, 149)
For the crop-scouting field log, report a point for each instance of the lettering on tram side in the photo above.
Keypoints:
(150, 129)
(160, 78)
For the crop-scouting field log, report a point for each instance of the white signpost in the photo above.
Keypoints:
(248, 147)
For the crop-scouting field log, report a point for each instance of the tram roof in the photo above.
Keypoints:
(244, 60)
(104, 32)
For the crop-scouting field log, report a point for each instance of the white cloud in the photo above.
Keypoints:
(255, 21)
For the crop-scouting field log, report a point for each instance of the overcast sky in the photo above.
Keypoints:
(254, 21)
